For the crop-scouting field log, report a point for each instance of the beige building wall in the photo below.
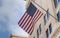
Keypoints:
(46, 4)
(17, 36)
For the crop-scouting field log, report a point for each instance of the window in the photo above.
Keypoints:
(47, 33)
(55, 2)
(48, 14)
(58, 0)
(37, 33)
(45, 19)
(40, 28)
(58, 16)
(50, 28)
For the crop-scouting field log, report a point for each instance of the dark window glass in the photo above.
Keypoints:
(58, 0)
(47, 34)
(50, 28)
(48, 14)
(40, 28)
(37, 33)
(45, 19)
(58, 16)
(56, 3)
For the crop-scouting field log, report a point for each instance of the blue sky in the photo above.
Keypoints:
(10, 13)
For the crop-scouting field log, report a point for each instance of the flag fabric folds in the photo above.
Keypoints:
(30, 17)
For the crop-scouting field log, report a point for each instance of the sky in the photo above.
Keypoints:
(10, 13)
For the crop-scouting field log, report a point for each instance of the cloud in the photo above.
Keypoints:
(3, 21)
(14, 9)
(15, 29)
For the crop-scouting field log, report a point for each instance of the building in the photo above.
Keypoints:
(17, 36)
(48, 26)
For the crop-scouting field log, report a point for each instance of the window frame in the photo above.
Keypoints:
(40, 28)
(58, 16)
(48, 14)
(37, 33)
(47, 33)
(50, 28)
(45, 19)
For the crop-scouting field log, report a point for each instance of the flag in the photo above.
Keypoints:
(30, 17)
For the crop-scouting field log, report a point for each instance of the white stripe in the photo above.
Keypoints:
(28, 24)
(22, 18)
(25, 20)
(31, 30)
(30, 21)
(35, 13)
(38, 17)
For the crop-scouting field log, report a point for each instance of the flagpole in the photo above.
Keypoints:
(44, 10)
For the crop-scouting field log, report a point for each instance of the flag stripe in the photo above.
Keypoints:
(28, 25)
(27, 22)
(27, 28)
(31, 31)
(30, 22)
(23, 19)
(38, 17)
(30, 17)
(35, 13)
(30, 28)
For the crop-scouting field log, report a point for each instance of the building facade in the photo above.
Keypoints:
(48, 26)
(17, 36)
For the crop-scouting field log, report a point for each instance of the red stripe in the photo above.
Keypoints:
(36, 16)
(27, 22)
(26, 25)
(35, 13)
(31, 31)
(35, 19)
(31, 22)
(23, 19)
(30, 28)
(39, 17)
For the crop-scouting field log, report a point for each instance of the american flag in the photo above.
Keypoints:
(30, 17)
